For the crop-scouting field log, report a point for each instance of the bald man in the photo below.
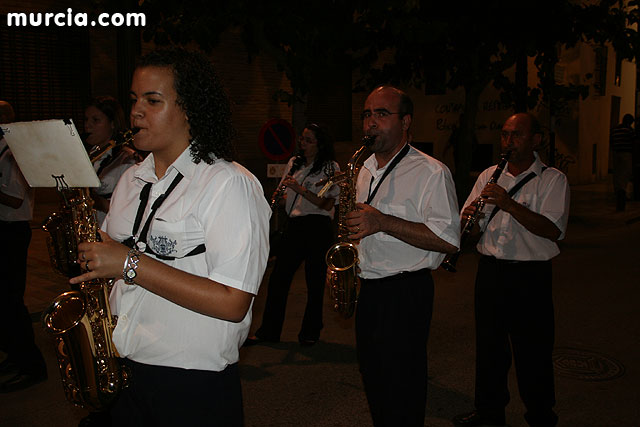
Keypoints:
(405, 222)
(513, 298)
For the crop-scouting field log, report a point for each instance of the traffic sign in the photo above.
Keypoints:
(277, 139)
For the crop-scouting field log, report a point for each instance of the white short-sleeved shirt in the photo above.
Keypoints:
(419, 189)
(220, 205)
(300, 206)
(547, 194)
(12, 183)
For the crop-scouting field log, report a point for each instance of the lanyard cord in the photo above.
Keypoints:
(144, 198)
(513, 191)
(393, 164)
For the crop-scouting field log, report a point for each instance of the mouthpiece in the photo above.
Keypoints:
(368, 140)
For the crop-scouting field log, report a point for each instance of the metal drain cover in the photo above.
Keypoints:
(586, 365)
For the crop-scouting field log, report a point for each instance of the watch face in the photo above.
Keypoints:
(131, 274)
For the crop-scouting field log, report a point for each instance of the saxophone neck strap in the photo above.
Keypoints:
(514, 190)
(106, 161)
(392, 165)
(144, 199)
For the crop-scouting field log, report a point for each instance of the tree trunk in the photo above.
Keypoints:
(465, 142)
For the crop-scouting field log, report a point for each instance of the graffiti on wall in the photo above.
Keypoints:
(484, 121)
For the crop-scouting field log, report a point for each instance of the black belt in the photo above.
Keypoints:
(310, 217)
(509, 261)
(400, 276)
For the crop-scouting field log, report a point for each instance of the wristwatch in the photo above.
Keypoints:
(129, 272)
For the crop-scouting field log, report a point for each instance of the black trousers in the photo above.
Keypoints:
(163, 396)
(16, 330)
(307, 239)
(392, 328)
(515, 320)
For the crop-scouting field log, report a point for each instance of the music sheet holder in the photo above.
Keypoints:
(50, 153)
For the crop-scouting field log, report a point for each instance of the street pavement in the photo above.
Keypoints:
(597, 351)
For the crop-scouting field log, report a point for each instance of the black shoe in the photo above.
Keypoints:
(306, 342)
(21, 381)
(475, 419)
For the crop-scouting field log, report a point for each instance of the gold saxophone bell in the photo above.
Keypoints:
(342, 257)
(342, 261)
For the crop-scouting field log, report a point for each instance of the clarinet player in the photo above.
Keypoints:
(307, 237)
(513, 301)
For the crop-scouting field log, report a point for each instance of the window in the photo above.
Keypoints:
(44, 72)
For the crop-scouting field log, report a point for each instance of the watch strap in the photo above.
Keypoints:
(129, 272)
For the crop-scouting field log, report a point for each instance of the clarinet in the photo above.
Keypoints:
(450, 260)
(277, 195)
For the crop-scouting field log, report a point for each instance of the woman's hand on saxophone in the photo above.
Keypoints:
(104, 259)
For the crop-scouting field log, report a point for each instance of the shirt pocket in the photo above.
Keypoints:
(170, 238)
(399, 211)
(529, 201)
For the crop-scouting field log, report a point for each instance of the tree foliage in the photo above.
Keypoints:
(420, 43)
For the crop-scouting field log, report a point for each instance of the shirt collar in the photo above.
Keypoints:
(372, 163)
(183, 164)
(535, 167)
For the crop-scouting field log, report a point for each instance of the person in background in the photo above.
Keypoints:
(405, 222)
(635, 155)
(307, 237)
(24, 365)
(191, 266)
(104, 122)
(621, 143)
(513, 296)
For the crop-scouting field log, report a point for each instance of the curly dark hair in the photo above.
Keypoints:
(202, 97)
(326, 154)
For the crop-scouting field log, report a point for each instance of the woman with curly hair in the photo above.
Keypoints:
(307, 237)
(197, 223)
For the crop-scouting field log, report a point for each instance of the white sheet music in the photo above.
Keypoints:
(48, 148)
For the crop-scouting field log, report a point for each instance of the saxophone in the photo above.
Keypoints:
(80, 320)
(342, 257)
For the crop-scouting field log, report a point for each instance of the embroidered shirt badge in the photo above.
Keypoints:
(162, 245)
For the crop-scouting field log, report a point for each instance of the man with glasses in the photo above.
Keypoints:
(513, 301)
(405, 221)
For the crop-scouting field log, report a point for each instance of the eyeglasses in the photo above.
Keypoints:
(307, 140)
(377, 114)
(516, 134)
